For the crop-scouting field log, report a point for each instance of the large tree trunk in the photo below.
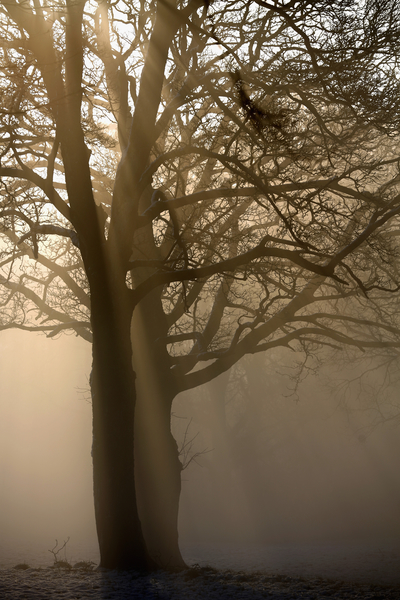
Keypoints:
(158, 468)
(113, 395)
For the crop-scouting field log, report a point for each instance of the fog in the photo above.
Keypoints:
(263, 466)
(288, 469)
(45, 441)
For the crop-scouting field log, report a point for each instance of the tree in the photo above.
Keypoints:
(254, 204)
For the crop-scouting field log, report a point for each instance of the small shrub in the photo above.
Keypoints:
(62, 564)
(21, 567)
(85, 565)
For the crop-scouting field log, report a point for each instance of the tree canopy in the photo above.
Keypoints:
(272, 157)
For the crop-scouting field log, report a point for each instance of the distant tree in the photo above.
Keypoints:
(185, 183)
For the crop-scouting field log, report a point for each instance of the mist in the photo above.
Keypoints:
(45, 443)
(262, 465)
(279, 467)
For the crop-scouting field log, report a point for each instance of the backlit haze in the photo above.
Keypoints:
(268, 469)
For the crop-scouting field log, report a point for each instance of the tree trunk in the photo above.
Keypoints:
(158, 468)
(113, 395)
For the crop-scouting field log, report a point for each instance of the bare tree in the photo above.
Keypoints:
(185, 183)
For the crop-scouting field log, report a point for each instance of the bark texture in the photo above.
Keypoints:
(158, 468)
(118, 526)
